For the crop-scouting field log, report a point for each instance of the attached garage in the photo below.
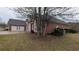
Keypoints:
(17, 28)
(16, 25)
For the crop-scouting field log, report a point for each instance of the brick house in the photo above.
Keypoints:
(29, 26)
(53, 23)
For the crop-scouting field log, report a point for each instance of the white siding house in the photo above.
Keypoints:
(17, 28)
(31, 26)
(16, 25)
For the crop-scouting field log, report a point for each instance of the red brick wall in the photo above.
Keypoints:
(52, 26)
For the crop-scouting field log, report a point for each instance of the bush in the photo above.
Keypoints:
(70, 31)
(57, 32)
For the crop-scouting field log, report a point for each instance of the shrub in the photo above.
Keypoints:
(70, 31)
(57, 32)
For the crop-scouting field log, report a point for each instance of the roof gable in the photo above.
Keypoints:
(16, 22)
(55, 20)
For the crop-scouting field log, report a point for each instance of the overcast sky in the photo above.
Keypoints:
(6, 14)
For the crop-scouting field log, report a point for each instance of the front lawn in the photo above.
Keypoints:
(27, 41)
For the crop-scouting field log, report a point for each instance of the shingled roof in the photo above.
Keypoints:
(16, 22)
(55, 20)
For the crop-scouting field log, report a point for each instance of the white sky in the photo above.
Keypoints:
(6, 14)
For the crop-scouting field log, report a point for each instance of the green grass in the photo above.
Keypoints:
(30, 42)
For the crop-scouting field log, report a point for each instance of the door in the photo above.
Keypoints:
(14, 28)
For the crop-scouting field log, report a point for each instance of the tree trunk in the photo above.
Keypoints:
(44, 22)
(41, 22)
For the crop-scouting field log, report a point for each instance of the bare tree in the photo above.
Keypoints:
(41, 14)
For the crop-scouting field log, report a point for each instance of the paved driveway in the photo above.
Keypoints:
(8, 32)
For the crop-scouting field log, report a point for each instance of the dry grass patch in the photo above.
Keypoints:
(27, 41)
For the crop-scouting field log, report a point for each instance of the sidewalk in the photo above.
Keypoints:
(8, 32)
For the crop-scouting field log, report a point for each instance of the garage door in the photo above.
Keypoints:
(17, 28)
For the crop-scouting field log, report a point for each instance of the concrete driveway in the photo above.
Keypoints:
(8, 32)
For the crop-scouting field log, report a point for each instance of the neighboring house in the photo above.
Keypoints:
(16, 25)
